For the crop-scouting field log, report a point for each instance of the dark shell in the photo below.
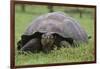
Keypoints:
(59, 23)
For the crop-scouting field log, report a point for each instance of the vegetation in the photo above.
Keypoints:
(85, 52)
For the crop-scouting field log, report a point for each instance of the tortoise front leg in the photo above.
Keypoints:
(33, 45)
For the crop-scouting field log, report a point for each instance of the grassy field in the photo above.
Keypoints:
(84, 52)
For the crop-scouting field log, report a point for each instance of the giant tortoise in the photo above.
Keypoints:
(49, 30)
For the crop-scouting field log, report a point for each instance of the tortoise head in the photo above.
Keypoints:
(47, 41)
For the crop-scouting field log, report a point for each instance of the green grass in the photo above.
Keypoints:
(78, 54)
(84, 52)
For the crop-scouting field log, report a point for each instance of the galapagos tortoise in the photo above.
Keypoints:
(52, 28)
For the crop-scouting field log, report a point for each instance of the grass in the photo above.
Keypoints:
(85, 52)
(79, 54)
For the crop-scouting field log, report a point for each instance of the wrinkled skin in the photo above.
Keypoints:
(47, 42)
(34, 45)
